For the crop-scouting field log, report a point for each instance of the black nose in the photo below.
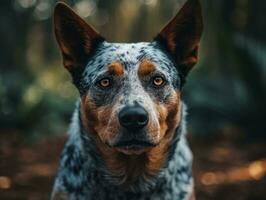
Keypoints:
(133, 117)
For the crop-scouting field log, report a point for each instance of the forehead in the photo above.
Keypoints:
(130, 56)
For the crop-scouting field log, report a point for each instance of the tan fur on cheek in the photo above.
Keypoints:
(173, 118)
(99, 120)
(169, 119)
(163, 113)
(89, 114)
(108, 127)
(168, 115)
(96, 120)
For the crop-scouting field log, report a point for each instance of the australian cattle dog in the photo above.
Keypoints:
(127, 139)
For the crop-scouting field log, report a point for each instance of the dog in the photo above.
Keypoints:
(127, 139)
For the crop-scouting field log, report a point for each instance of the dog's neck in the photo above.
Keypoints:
(177, 161)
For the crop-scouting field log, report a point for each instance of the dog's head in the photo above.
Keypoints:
(130, 93)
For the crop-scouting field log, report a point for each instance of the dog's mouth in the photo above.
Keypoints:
(133, 146)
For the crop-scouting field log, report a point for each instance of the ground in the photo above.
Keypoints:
(224, 169)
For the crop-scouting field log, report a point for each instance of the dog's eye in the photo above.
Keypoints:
(105, 82)
(158, 81)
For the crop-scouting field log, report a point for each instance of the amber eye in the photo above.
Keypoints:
(158, 81)
(105, 82)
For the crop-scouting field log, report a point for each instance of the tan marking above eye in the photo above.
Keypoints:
(145, 68)
(105, 82)
(158, 81)
(116, 68)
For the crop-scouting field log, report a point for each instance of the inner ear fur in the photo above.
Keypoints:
(181, 36)
(76, 39)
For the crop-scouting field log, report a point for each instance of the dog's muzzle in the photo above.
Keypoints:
(133, 120)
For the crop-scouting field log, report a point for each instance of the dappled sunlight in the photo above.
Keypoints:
(86, 8)
(253, 171)
(5, 182)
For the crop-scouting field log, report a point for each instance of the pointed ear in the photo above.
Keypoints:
(76, 39)
(182, 34)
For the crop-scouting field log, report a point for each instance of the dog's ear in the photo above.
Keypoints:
(76, 39)
(182, 34)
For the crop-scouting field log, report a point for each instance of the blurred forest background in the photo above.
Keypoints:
(225, 93)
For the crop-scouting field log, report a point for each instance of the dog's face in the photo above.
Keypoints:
(130, 93)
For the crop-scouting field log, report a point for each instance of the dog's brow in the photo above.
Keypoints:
(145, 68)
(116, 68)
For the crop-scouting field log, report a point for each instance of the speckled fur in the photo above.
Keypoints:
(83, 173)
